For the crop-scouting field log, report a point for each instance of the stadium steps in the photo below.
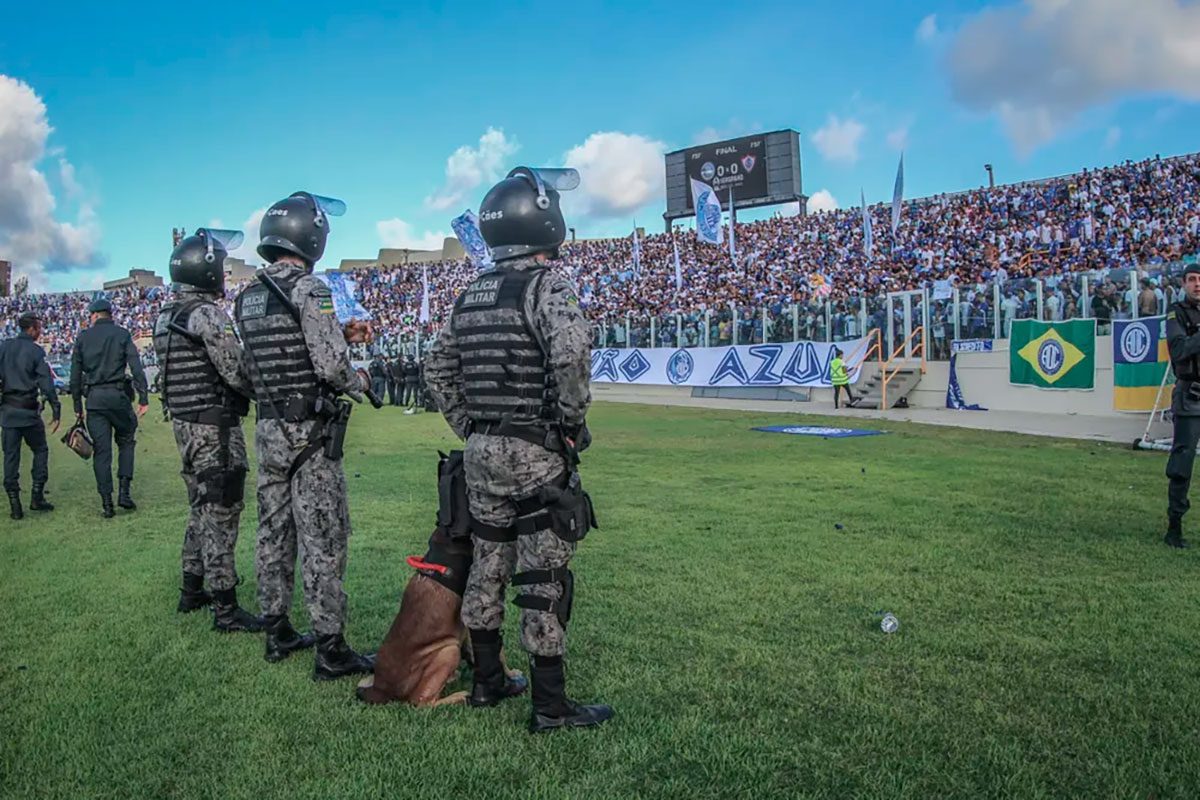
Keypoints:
(904, 380)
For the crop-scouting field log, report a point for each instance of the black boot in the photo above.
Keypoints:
(283, 640)
(37, 502)
(106, 506)
(551, 708)
(229, 617)
(335, 659)
(1174, 535)
(123, 498)
(192, 595)
(491, 683)
(14, 500)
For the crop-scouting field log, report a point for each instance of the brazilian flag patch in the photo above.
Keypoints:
(325, 304)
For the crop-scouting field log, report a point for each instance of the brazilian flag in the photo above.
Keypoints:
(1053, 355)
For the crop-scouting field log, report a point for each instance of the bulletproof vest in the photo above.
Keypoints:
(504, 369)
(1189, 317)
(191, 386)
(275, 344)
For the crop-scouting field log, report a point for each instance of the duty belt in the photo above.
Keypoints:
(20, 400)
(534, 434)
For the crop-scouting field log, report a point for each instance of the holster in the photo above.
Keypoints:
(570, 511)
(454, 513)
(335, 428)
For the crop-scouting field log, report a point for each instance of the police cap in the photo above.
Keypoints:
(100, 306)
(1192, 267)
(28, 320)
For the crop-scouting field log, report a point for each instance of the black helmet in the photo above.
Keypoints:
(199, 260)
(298, 225)
(521, 215)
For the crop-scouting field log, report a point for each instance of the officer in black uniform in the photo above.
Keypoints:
(1183, 342)
(103, 352)
(23, 373)
(412, 381)
(378, 372)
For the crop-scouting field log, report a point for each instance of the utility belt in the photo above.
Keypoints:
(561, 506)
(533, 433)
(216, 415)
(20, 400)
(1190, 389)
(328, 438)
(125, 385)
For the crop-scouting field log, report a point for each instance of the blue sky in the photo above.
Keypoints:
(165, 115)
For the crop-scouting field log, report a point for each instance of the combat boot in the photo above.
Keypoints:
(123, 498)
(192, 595)
(106, 506)
(14, 500)
(283, 640)
(335, 659)
(491, 683)
(229, 617)
(1174, 536)
(551, 708)
(37, 501)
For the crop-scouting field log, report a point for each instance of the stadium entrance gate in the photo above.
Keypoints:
(906, 311)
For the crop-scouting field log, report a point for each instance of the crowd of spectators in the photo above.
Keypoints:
(1096, 243)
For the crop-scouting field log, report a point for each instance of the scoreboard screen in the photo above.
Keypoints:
(740, 164)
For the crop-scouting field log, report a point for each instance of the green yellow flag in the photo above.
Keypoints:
(1053, 355)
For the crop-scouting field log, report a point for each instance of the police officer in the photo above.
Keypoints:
(510, 372)
(1183, 343)
(377, 370)
(412, 381)
(299, 364)
(23, 373)
(103, 352)
(205, 390)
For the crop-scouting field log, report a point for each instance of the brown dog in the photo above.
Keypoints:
(422, 650)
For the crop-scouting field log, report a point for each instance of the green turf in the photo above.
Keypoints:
(1047, 648)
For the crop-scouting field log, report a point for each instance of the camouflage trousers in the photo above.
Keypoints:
(502, 469)
(213, 470)
(308, 515)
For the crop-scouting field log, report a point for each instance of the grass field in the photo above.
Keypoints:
(1048, 642)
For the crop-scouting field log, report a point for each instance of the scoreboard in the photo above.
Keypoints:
(762, 169)
(738, 164)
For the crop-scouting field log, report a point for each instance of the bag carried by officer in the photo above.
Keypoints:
(79, 440)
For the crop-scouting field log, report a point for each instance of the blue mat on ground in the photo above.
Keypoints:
(818, 430)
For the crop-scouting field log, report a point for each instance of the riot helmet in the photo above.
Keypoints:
(199, 260)
(521, 215)
(298, 225)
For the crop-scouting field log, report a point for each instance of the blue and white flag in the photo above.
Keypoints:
(424, 293)
(637, 251)
(343, 289)
(954, 393)
(708, 213)
(897, 195)
(732, 222)
(678, 271)
(466, 228)
(866, 214)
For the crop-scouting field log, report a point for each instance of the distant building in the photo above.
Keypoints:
(5, 279)
(237, 271)
(452, 250)
(138, 278)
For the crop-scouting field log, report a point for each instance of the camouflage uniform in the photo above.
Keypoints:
(307, 509)
(212, 454)
(504, 469)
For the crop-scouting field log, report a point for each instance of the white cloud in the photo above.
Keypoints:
(1038, 65)
(31, 236)
(838, 140)
(822, 200)
(248, 251)
(927, 31)
(734, 129)
(898, 138)
(468, 167)
(619, 173)
(1112, 137)
(399, 234)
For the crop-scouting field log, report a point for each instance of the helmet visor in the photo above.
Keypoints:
(329, 206)
(560, 179)
(229, 240)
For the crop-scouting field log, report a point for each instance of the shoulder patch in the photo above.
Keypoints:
(1170, 315)
(324, 303)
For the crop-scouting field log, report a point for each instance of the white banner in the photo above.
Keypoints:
(792, 364)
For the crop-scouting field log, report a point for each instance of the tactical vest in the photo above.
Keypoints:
(1189, 317)
(274, 341)
(504, 369)
(192, 388)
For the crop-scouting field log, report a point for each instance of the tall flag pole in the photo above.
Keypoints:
(866, 221)
(897, 196)
(732, 222)
(637, 252)
(678, 271)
